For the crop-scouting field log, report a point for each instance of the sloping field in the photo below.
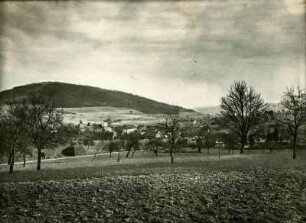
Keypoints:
(255, 187)
(99, 114)
(214, 196)
(119, 116)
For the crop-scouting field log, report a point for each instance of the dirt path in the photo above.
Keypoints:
(54, 159)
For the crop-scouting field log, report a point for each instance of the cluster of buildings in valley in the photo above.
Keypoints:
(151, 131)
(269, 132)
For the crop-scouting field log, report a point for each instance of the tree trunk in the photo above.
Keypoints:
(9, 159)
(110, 154)
(243, 142)
(39, 159)
(12, 161)
(118, 157)
(199, 149)
(294, 145)
(128, 153)
(24, 159)
(94, 156)
(242, 147)
(271, 147)
(171, 154)
(155, 152)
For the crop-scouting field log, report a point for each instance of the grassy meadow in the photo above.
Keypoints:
(257, 186)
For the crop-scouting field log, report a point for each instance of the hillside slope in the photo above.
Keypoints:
(71, 95)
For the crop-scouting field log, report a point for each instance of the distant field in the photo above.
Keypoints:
(117, 115)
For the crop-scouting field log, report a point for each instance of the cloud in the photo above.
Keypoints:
(296, 6)
(169, 51)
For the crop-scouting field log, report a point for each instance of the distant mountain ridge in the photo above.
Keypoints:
(209, 110)
(71, 95)
(213, 110)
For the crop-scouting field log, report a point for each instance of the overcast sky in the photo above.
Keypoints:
(179, 52)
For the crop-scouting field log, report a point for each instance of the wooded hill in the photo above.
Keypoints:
(72, 95)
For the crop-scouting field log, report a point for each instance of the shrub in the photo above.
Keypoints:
(69, 151)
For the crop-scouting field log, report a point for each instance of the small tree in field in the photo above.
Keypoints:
(242, 109)
(198, 129)
(132, 144)
(210, 140)
(229, 141)
(43, 122)
(202, 134)
(24, 148)
(171, 126)
(153, 145)
(113, 146)
(293, 115)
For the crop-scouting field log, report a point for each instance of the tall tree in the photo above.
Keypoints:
(171, 124)
(242, 109)
(9, 137)
(44, 121)
(293, 115)
(13, 130)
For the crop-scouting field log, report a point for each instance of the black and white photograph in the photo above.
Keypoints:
(151, 111)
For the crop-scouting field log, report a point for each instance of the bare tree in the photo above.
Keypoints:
(9, 137)
(24, 146)
(293, 115)
(44, 121)
(113, 146)
(132, 142)
(12, 131)
(3, 148)
(197, 128)
(210, 140)
(171, 122)
(242, 109)
(203, 134)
